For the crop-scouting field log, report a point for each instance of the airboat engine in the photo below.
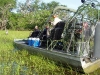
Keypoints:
(96, 53)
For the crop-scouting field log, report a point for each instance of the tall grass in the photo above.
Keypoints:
(16, 62)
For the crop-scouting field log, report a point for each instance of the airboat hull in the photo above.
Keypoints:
(77, 63)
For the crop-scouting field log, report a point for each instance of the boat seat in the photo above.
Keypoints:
(57, 31)
(56, 34)
(43, 37)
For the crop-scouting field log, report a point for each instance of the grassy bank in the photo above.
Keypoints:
(16, 62)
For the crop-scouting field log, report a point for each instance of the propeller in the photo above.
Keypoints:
(82, 1)
(93, 5)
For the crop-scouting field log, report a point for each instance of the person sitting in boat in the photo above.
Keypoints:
(55, 24)
(35, 32)
(86, 31)
(44, 35)
(46, 31)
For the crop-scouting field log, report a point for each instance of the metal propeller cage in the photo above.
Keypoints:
(73, 40)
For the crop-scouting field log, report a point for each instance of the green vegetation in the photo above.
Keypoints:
(16, 62)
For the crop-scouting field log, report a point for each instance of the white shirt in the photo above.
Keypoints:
(56, 20)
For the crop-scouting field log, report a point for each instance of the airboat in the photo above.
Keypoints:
(72, 45)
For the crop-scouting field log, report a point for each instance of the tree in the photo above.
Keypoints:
(7, 2)
(43, 6)
(5, 7)
(52, 5)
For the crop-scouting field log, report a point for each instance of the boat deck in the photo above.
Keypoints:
(24, 42)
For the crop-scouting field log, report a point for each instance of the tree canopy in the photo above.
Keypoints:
(7, 2)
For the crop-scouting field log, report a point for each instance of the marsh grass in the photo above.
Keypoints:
(16, 62)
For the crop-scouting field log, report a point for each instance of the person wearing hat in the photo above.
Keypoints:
(56, 20)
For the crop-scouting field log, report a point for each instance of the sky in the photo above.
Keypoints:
(74, 4)
(69, 3)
